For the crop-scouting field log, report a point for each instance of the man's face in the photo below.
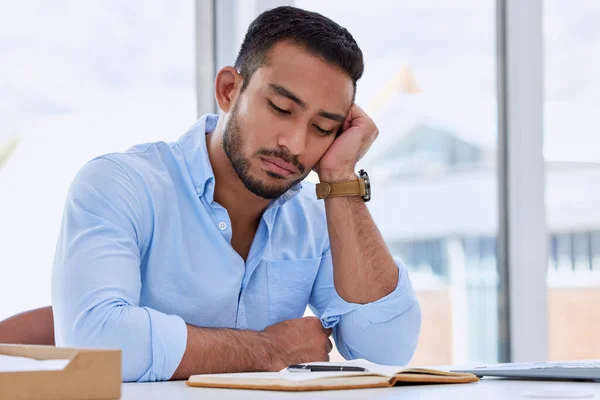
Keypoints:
(285, 120)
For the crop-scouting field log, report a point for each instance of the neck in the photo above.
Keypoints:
(230, 192)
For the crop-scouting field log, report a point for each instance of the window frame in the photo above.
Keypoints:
(522, 234)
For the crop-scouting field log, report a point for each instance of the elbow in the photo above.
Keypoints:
(403, 343)
(112, 325)
(410, 334)
(97, 327)
(392, 342)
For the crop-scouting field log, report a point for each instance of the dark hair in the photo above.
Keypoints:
(315, 33)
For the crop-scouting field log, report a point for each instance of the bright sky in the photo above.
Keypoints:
(69, 56)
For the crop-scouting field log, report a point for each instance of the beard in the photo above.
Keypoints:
(233, 145)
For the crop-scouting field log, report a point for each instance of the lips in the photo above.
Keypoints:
(279, 166)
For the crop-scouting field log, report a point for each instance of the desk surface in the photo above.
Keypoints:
(486, 389)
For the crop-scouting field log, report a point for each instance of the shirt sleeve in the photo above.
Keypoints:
(96, 279)
(385, 331)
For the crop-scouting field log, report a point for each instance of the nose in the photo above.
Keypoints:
(294, 139)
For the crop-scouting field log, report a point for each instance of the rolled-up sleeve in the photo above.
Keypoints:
(385, 331)
(96, 280)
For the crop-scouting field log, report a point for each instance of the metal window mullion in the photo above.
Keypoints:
(205, 56)
(522, 232)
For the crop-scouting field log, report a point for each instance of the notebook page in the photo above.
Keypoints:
(284, 374)
(23, 364)
(372, 369)
(386, 370)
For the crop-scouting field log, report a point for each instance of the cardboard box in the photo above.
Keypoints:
(92, 374)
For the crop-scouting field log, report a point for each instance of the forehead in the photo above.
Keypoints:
(315, 81)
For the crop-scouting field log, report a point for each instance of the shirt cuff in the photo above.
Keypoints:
(382, 310)
(169, 340)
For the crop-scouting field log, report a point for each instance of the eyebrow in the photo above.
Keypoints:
(336, 117)
(281, 91)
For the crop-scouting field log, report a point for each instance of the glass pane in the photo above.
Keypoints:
(430, 86)
(79, 79)
(595, 249)
(571, 141)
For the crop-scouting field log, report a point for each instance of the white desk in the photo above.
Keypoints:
(486, 389)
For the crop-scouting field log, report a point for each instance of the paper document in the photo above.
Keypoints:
(23, 364)
(374, 375)
(385, 370)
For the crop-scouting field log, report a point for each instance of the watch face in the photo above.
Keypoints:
(363, 174)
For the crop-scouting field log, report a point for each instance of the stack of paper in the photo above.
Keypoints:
(23, 364)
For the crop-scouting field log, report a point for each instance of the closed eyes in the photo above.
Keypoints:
(281, 111)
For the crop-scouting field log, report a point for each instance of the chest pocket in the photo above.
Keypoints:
(289, 287)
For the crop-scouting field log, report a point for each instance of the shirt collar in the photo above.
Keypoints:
(193, 148)
(287, 196)
(195, 153)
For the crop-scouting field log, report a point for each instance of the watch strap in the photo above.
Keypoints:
(337, 189)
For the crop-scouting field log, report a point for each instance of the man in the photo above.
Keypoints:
(201, 256)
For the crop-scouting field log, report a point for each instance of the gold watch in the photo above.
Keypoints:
(359, 187)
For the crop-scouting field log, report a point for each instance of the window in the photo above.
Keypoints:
(79, 79)
(595, 251)
(430, 86)
(572, 100)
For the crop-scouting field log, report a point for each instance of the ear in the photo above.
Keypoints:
(227, 87)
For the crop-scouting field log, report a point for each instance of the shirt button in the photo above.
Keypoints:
(222, 225)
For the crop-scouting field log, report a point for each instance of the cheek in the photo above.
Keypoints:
(260, 127)
(249, 130)
(318, 149)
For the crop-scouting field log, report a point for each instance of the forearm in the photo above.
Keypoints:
(364, 270)
(220, 350)
(159, 347)
(30, 327)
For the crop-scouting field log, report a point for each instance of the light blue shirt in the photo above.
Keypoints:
(145, 249)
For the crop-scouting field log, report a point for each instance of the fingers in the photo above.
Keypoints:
(357, 117)
(318, 324)
(357, 111)
(347, 124)
(329, 346)
(352, 114)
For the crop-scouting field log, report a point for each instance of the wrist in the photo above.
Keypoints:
(337, 176)
(271, 359)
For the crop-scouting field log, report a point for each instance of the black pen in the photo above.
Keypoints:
(324, 368)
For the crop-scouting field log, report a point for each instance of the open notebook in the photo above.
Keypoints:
(375, 376)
